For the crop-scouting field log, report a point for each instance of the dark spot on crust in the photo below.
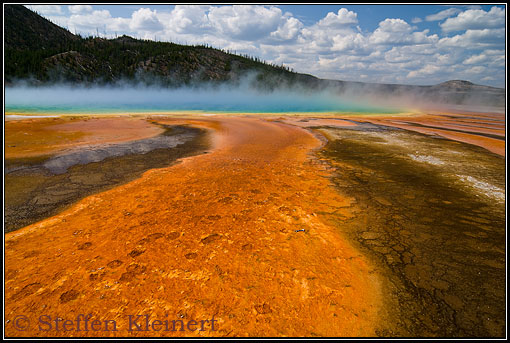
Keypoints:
(155, 236)
(225, 200)
(263, 309)
(248, 246)
(114, 264)
(173, 235)
(68, 296)
(143, 241)
(211, 238)
(26, 291)
(127, 276)
(136, 252)
(190, 255)
(132, 271)
(136, 268)
(84, 246)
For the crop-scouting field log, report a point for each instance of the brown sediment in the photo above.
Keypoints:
(311, 122)
(219, 235)
(42, 136)
(432, 216)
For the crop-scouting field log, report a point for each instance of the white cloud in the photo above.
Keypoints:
(426, 70)
(397, 56)
(230, 24)
(406, 53)
(398, 31)
(187, 19)
(46, 9)
(442, 15)
(390, 31)
(416, 20)
(349, 42)
(451, 58)
(475, 70)
(394, 25)
(289, 30)
(342, 19)
(145, 19)
(333, 34)
(488, 57)
(475, 39)
(245, 22)
(79, 8)
(92, 23)
(475, 59)
(475, 20)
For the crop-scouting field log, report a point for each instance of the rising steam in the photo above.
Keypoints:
(329, 96)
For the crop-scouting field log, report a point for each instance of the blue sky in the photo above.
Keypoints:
(411, 44)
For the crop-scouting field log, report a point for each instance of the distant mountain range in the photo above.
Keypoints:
(40, 52)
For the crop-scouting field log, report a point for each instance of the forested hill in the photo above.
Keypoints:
(38, 49)
(26, 30)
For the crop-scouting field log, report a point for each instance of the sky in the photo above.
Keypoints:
(405, 44)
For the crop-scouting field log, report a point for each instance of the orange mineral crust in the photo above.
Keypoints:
(486, 130)
(39, 136)
(236, 235)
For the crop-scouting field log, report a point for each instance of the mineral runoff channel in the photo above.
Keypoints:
(309, 225)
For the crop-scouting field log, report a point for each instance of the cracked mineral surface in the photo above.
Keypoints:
(438, 236)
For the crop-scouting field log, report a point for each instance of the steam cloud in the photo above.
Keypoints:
(242, 97)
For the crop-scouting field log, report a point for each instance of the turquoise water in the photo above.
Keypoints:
(138, 99)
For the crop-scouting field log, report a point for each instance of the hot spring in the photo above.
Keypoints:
(67, 99)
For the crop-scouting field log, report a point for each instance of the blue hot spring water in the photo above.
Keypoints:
(66, 99)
